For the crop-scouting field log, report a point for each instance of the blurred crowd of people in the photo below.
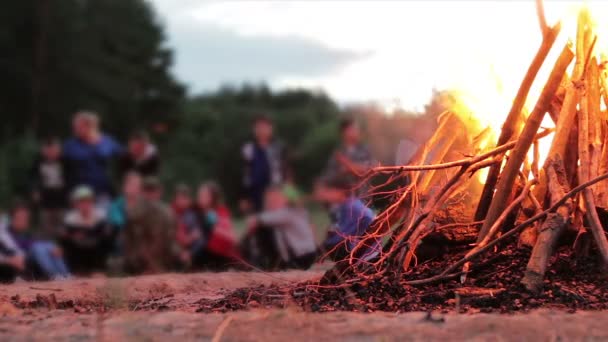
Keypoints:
(73, 221)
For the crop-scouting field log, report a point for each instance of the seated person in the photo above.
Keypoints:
(291, 233)
(209, 238)
(12, 258)
(44, 258)
(87, 238)
(181, 206)
(351, 218)
(149, 232)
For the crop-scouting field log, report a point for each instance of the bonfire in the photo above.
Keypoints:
(482, 215)
(542, 199)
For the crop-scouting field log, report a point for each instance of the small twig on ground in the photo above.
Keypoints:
(45, 289)
(217, 337)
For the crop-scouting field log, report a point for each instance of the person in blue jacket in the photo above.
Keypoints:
(351, 219)
(264, 165)
(88, 155)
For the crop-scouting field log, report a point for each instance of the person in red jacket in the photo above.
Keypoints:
(208, 234)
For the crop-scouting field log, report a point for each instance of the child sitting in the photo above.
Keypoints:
(351, 219)
(209, 238)
(87, 238)
(44, 258)
(287, 233)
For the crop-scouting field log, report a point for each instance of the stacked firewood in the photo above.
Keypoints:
(518, 195)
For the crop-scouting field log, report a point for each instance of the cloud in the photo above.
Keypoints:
(208, 56)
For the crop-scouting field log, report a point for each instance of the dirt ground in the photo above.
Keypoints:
(157, 308)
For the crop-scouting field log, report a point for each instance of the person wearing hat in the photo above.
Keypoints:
(86, 237)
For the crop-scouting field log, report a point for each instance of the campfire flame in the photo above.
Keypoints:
(484, 101)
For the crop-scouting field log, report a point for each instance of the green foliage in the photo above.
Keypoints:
(207, 143)
(16, 156)
(107, 56)
(110, 56)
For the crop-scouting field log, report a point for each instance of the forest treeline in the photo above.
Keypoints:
(112, 57)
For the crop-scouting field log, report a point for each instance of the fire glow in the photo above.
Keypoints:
(484, 100)
(534, 196)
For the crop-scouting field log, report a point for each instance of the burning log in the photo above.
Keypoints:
(551, 229)
(510, 129)
(517, 156)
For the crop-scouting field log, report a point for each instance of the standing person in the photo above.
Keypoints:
(87, 238)
(44, 258)
(350, 220)
(88, 155)
(263, 164)
(293, 242)
(49, 186)
(141, 157)
(210, 241)
(352, 158)
(149, 233)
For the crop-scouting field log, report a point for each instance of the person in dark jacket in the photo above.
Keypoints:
(88, 156)
(49, 186)
(149, 233)
(87, 237)
(141, 157)
(264, 165)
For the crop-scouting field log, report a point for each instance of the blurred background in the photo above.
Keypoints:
(118, 58)
(195, 73)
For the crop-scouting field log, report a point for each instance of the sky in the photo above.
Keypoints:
(390, 52)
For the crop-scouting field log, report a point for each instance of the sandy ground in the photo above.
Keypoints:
(159, 308)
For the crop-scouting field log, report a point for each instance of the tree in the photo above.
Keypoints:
(107, 56)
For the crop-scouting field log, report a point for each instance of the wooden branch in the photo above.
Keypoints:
(584, 173)
(592, 106)
(550, 230)
(457, 163)
(425, 181)
(512, 122)
(518, 154)
(542, 20)
(421, 155)
(420, 230)
(567, 117)
(585, 129)
(604, 78)
(515, 204)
